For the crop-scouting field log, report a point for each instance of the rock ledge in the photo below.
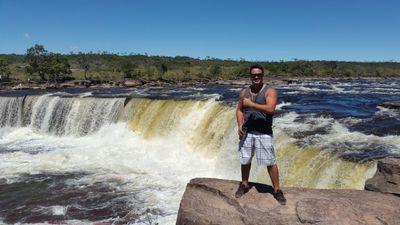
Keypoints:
(387, 177)
(212, 201)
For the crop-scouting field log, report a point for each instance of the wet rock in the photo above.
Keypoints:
(240, 82)
(232, 82)
(68, 85)
(390, 105)
(79, 82)
(212, 201)
(49, 86)
(386, 178)
(288, 81)
(132, 83)
(21, 87)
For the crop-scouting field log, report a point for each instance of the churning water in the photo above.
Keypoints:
(118, 156)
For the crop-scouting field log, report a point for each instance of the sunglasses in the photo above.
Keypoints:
(256, 75)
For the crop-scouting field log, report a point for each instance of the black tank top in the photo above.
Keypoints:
(257, 122)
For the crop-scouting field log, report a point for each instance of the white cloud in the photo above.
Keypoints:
(27, 36)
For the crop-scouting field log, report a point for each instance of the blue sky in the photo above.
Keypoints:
(361, 30)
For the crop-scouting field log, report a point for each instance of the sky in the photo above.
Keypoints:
(351, 30)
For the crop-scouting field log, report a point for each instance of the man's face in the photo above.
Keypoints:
(256, 76)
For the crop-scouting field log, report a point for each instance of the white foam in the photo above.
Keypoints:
(337, 133)
(86, 94)
(282, 104)
(69, 222)
(343, 87)
(292, 92)
(388, 112)
(159, 168)
(205, 96)
(341, 134)
(58, 210)
(287, 122)
(337, 88)
(58, 93)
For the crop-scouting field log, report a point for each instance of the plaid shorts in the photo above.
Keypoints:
(262, 145)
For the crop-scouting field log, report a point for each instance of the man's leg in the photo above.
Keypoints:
(246, 174)
(246, 154)
(274, 175)
(266, 155)
(265, 152)
(244, 186)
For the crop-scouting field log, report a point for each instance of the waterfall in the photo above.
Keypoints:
(10, 111)
(209, 128)
(205, 128)
(59, 115)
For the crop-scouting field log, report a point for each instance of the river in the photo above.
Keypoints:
(125, 155)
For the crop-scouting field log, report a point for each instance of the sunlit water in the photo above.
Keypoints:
(118, 156)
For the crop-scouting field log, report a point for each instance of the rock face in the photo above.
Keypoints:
(387, 177)
(212, 201)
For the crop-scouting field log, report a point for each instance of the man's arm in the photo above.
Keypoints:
(239, 114)
(271, 97)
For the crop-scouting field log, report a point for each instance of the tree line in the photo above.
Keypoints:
(42, 66)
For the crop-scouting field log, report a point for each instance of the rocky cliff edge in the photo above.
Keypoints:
(212, 201)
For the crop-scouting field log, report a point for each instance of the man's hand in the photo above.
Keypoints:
(240, 132)
(247, 102)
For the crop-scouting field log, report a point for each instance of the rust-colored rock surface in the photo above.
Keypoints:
(212, 201)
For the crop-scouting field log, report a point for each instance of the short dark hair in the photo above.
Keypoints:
(256, 66)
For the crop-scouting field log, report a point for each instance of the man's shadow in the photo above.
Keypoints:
(261, 188)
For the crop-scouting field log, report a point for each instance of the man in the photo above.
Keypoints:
(254, 117)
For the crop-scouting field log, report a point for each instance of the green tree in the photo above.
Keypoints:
(4, 70)
(56, 66)
(36, 57)
(152, 72)
(241, 70)
(331, 67)
(84, 62)
(301, 68)
(127, 67)
(164, 68)
(215, 71)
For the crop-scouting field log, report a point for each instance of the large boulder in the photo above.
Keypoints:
(212, 201)
(386, 178)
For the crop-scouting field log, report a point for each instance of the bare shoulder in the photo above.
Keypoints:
(242, 92)
(271, 91)
(240, 102)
